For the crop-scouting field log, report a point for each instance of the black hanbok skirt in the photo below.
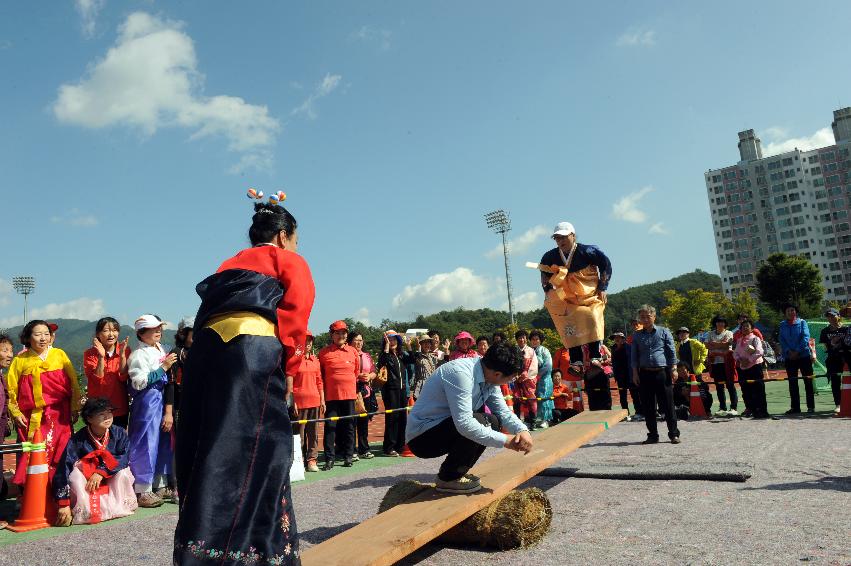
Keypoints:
(234, 451)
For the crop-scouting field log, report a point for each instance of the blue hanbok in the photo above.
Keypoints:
(544, 388)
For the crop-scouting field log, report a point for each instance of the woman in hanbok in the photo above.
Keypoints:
(235, 440)
(544, 389)
(92, 482)
(151, 450)
(43, 393)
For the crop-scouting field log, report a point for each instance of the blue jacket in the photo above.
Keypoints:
(795, 337)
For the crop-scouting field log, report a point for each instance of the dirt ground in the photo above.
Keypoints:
(793, 509)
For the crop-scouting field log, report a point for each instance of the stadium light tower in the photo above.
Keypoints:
(499, 222)
(24, 285)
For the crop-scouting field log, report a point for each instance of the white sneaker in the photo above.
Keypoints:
(460, 486)
(722, 414)
(732, 413)
(836, 410)
(544, 424)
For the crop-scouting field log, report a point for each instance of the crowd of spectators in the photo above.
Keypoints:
(134, 396)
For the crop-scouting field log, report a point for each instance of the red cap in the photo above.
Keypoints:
(309, 334)
(338, 325)
(53, 326)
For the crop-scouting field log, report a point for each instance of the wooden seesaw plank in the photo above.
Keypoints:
(396, 533)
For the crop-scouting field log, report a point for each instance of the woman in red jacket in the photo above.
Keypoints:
(105, 366)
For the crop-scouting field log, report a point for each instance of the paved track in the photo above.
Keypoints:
(793, 510)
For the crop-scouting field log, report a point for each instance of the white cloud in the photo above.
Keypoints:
(781, 143)
(362, 316)
(380, 37)
(522, 243)
(83, 308)
(637, 38)
(626, 208)
(658, 228)
(526, 302)
(150, 80)
(459, 288)
(76, 218)
(328, 84)
(89, 10)
(5, 44)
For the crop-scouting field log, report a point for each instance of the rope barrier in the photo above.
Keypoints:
(342, 417)
(22, 447)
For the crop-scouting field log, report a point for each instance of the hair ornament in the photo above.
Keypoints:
(254, 194)
(278, 197)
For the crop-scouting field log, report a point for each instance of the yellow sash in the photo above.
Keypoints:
(230, 325)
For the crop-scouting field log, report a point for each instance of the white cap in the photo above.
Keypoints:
(564, 229)
(147, 321)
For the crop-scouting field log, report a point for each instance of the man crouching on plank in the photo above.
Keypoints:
(449, 416)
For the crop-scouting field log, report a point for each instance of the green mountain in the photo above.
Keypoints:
(75, 337)
(620, 309)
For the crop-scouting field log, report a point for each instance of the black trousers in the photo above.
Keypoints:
(835, 364)
(804, 365)
(576, 352)
(394, 425)
(753, 390)
(561, 415)
(122, 421)
(345, 428)
(719, 376)
(362, 433)
(625, 384)
(599, 395)
(657, 387)
(461, 452)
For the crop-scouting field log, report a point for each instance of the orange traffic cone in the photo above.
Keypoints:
(32, 515)
(845, 400)
(578, 406)
(406, 452)
(696, 408)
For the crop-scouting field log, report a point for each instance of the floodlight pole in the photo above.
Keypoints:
(499, 222)
(24, 285)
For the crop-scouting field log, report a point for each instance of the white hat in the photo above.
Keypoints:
(564, 229)
(147, 321)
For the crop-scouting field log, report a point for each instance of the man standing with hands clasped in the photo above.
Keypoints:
(449, 416)
(653, 360)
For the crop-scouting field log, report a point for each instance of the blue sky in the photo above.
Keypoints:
(131, 130)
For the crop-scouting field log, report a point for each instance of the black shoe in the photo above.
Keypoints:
(676, 440)
(328, 466)
(348, 463)
(793, 412)
(811, 410)
(651, 440)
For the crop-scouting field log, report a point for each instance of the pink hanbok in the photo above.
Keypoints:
(85, 455)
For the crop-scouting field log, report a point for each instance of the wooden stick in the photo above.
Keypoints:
(541, 267)
(396, 533)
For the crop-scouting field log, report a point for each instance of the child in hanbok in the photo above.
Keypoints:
(151, 449)
(525, 402)
(92, 482)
